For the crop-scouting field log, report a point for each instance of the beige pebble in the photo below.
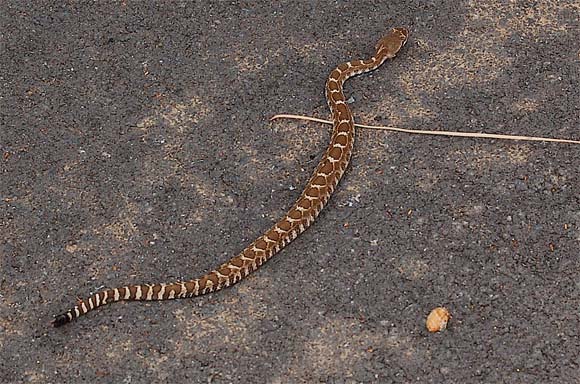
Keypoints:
(71, 248)
(437, 319)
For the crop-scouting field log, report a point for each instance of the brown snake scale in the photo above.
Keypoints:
(318, 190)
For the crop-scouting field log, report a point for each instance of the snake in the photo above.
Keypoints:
(301, 215)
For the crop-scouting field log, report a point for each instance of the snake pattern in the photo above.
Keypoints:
(305, 210)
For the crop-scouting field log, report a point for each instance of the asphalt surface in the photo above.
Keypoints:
(136, 148)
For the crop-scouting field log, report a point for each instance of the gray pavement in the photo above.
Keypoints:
(136, 148)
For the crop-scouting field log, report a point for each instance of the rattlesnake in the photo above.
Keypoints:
(318, 190)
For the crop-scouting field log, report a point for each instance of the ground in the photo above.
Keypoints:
(136, 147)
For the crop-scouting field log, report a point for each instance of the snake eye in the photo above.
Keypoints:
(403, 34)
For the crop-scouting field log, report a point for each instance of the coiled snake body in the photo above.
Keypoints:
(302, 214)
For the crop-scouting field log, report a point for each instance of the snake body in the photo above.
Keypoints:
(305, 210)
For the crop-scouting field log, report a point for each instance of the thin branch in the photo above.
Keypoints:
(440, 133)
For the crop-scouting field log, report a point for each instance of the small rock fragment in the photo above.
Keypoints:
(437, 319)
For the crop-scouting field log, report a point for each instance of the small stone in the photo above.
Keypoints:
(438, 319)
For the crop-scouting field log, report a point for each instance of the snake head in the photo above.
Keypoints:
(390, 44)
